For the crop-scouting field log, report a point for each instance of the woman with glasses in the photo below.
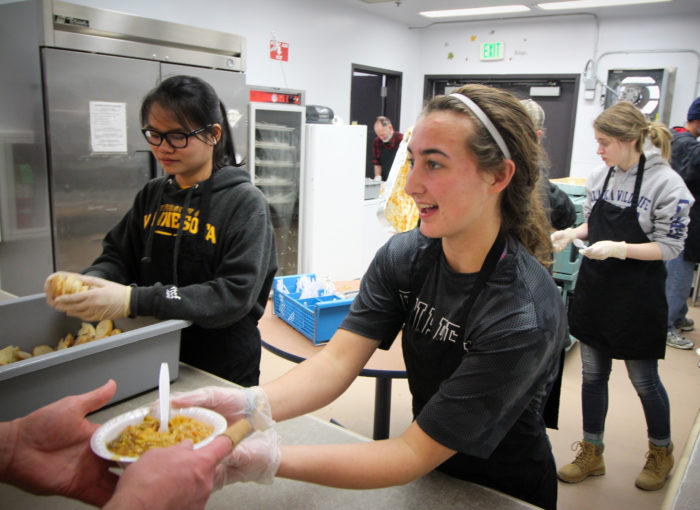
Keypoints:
(197, 244)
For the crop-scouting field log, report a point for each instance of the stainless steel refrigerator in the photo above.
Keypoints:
(72, 156)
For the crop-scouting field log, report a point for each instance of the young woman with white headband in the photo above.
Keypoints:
(482, 322)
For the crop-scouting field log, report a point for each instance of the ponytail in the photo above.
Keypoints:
(660, 136)
(626, 123)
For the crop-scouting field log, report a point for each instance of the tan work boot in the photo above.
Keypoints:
(588, 462)
(655, 472)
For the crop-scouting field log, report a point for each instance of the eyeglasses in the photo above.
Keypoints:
(176, 139)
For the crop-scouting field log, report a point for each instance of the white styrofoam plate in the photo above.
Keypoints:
(112, 428)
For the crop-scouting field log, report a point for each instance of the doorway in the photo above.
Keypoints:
(557, 94)
(374, 92)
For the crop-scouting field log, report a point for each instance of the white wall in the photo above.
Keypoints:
(564, 45)
(326, 38)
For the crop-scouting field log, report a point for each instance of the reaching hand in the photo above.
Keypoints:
(561, 239)
(233, 404)
(604, 249)
(173, 478)
(103, 300)
(255, 459)
(48, 451)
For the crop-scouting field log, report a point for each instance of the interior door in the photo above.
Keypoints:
(98, 159)
(366, 105)
(560, 109)
(374, 92)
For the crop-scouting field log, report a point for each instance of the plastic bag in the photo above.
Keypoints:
(396, 209)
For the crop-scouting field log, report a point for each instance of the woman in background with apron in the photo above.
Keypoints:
(637, 217)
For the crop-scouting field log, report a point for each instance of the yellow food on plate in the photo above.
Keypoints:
(134, 440)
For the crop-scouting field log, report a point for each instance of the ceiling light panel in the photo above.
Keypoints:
(476, 11)
(587, 4)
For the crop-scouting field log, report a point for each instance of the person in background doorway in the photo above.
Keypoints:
(198, 243)
(560, 210)
(48, 452)
(385, 146)
(636, 212)
(685, 159)
(483, 324)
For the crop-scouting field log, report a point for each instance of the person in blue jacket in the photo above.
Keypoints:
(685, 159)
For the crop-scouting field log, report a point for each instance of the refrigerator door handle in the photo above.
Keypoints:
(152, 166)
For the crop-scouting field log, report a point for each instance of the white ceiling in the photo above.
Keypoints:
(406, 12)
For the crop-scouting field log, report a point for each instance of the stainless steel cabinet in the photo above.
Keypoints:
(72, 157)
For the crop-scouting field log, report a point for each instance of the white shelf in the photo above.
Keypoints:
(277, 164)
(274, 145)
(274, 127)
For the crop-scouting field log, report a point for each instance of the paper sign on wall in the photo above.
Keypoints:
(107, 126)
(279, 50)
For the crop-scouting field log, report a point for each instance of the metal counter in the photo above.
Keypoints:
(434, 490)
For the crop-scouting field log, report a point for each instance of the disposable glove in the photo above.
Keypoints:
(103, 300)
(232, 403)
(561, 238)
(256, 459)
(604, 249)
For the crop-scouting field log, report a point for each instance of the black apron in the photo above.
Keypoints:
(522, 465)
(619, 306)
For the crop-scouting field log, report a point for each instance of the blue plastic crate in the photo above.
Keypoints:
(316, 318)
(567, 261)
(578, 205)
(572, 189)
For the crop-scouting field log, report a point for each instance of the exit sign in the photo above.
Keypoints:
(492, 50)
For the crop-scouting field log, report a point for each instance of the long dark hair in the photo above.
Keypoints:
(522, 213)
(194, 103)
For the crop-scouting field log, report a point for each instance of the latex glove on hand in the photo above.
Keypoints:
(256, 459)
(604, 249)
(562, 238)
(232, 403)
(103, 300)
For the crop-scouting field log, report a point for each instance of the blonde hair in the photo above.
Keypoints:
(536, 112)
(626, 123)
(522, 214)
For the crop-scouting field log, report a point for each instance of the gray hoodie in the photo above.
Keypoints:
(664, 201)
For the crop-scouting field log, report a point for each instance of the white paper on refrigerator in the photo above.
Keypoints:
(107, 126)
